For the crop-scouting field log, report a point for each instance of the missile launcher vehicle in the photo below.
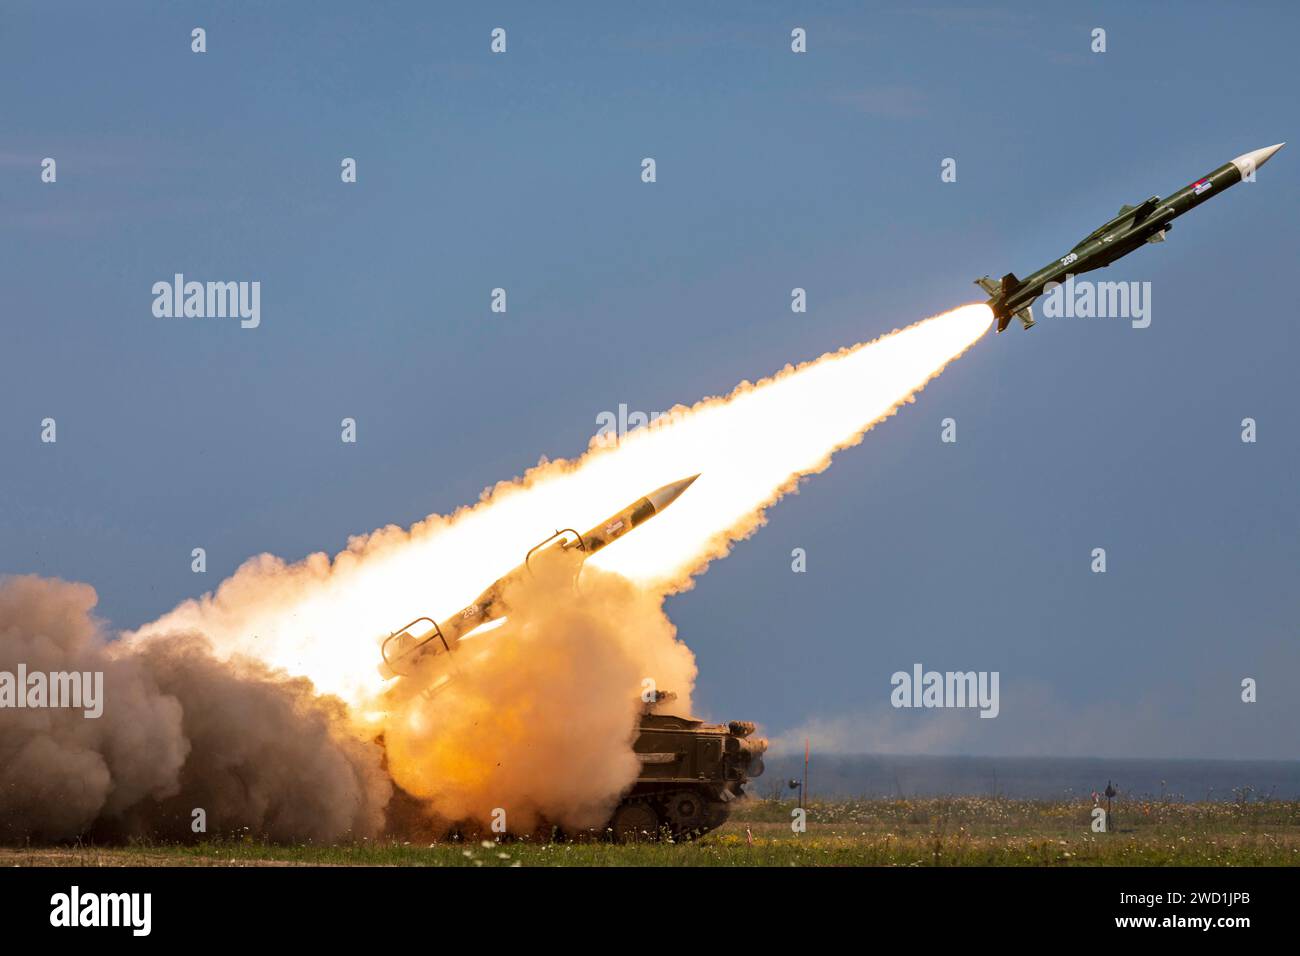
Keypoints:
(691, 774)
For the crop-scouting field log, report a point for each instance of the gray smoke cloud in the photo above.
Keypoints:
(180, 730)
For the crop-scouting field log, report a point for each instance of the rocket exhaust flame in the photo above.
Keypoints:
(557, 685)
(320, 618)
(568, 547)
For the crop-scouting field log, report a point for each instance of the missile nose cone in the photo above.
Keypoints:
(661, 498)
(1256, 158)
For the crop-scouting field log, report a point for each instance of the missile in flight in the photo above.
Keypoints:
(1133, 227)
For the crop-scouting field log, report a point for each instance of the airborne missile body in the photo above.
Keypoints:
(1133, 227)
(565, 550)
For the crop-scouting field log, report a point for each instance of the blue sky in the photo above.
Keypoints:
(775, 170)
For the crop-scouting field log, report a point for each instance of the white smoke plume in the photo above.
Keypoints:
(540, 719)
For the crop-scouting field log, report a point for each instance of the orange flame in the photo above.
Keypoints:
(323, 619)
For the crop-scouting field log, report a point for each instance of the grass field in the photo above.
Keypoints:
(959, 831)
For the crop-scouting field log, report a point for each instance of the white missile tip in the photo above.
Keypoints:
(661, 498)
(1246, 163)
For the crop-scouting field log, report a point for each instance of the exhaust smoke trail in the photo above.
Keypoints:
(257, 752)
(322, 619)
(540, 719)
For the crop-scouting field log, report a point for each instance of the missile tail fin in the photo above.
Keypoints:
(999, 292)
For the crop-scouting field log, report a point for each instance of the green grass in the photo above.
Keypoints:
(961, 831)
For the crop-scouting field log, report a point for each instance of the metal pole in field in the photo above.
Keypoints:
(803, 791)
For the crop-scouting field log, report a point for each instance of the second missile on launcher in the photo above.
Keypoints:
(405, 648)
